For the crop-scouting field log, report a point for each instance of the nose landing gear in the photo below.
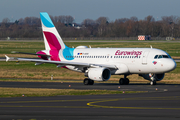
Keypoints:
(153, 79)
(153, 82)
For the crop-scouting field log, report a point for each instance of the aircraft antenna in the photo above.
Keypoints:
(151, 46)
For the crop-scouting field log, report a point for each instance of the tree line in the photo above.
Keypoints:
(30, 27)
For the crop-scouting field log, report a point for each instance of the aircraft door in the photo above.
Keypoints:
(144, 57)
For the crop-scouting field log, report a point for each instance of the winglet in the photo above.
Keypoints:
(7, 58)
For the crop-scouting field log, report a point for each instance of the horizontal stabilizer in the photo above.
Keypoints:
(31, 53)
(9, 58)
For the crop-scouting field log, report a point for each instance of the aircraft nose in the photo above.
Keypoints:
(172, 65)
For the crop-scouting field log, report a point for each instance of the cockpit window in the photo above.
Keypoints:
(162, 56)
(156, 57)
(165, 56)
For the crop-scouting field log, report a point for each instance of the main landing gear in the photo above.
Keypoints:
(88, 81)
(124, 81)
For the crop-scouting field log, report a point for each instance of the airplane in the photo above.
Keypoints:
(98, 64)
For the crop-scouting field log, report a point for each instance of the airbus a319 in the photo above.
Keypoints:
(98, 64)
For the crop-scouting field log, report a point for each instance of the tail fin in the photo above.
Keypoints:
(52, 39)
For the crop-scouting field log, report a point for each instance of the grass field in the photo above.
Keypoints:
(27, 71)
(29, 92)
(171, 47)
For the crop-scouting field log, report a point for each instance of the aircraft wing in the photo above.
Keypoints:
(63, 63)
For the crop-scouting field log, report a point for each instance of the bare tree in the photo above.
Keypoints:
(69, 19)
(6, 20)
(149, 18)
(62, 19)
(102, 20)
(134, 19)
(87, 22)
(122, 20)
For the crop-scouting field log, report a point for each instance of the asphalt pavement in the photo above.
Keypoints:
(160, 102)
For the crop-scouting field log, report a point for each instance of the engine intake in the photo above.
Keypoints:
(99, 74)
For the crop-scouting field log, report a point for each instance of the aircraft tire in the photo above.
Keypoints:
(126, 81)
(91, 82)
(86, 81)
(121, 81)
(153, 82)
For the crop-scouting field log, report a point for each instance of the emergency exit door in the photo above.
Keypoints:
(144, 57)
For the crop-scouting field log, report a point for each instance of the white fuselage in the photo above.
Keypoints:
(127, 60)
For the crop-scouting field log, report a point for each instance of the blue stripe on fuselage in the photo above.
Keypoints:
(68, 53)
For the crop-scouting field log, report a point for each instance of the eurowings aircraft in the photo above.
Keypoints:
(98, 64)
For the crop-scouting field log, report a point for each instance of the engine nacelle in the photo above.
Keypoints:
(99, 74)
(157, 77)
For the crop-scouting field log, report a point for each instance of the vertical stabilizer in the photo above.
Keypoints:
(52, 39)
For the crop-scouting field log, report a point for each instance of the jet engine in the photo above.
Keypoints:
(157, 77)
(99, 74)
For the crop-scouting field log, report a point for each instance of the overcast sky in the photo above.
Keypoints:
(92, 9)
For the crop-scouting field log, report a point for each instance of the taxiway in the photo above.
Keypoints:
(160, 102)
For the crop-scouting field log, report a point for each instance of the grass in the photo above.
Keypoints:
(32, 92)
(27, 70)
(6, 47)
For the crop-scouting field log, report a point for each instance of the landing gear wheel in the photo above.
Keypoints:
(91, 82)
(88, 81)
(153, 82)
(121, 81)
(126, 81)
